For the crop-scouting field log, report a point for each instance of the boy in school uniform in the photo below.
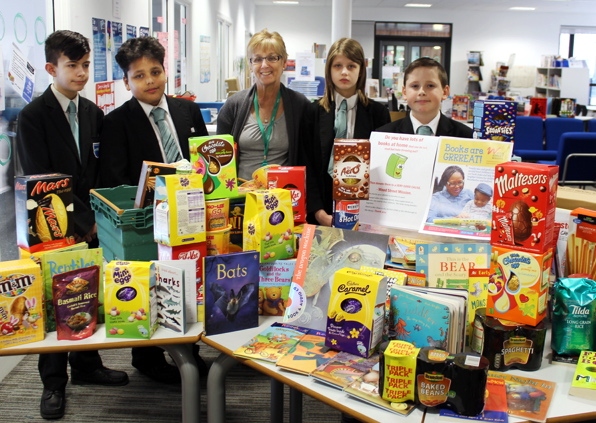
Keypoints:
(425, 87)
(47, 142)
(149, 126)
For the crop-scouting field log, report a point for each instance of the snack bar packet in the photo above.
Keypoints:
(75, 302)
(574, 316)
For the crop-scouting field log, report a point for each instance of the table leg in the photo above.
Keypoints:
(191, 392)
(216, 388)
(277, 401)
(295, 406)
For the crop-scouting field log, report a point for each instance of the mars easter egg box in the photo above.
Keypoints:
(524, 206)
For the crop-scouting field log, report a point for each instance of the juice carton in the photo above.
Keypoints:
(179, 209)
(292, 178)
(356, 313)
(21, 302)
(214, 158)
(351, 169)
(494, 119)
(130, 299)
(44, 211)
(518, 285)
(524, 206)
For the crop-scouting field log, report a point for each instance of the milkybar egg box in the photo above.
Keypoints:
(214, 158)
(524, 206)
(21, 302)
(292, 178)
(44, 211)
(356, 311)
(518, 285)
(130, 299)
(179, 210)
(351, 169)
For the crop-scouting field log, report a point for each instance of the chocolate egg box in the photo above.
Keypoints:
(351, 169)
(214, 157)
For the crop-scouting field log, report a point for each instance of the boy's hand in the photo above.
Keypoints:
(323, 218)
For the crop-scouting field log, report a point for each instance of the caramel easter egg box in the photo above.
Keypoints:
(351, 169)
(524, 205)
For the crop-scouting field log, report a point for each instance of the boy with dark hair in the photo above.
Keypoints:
(425, 86)
(149, 126)
(48, 142)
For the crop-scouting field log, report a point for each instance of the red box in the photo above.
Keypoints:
(292, 178)
(524, 205)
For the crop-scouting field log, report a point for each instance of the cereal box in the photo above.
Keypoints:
(214, 158)
(494, 119)
(44, 211)
(130, 299)
(179, 209)
(356, 313)
(292, 178)
(518, 285)
(351, 169)
(21, 301)
(524, 206)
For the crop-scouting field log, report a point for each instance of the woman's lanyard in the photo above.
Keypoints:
(266, 132)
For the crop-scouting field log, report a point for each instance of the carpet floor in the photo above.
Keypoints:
(143, 400)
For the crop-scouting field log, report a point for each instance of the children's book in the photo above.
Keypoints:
(231, 283)
(584, 379)
(324, 250)
(272, 343)
(527, 398)
(344, 369)
(478, 293)
(308, 354)
(274, 286)
(175, 289)
(146, 187)
(366, 388)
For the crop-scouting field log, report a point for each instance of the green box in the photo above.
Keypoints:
(124, 233)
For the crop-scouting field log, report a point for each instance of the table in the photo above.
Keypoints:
(178, 346)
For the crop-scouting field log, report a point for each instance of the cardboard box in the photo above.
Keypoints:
(146, 187)
(130, 299)
(179, 209)
(572, 198)
(21, 303)
(44, 211)
(292, 178)
(351, 169)
(524, 205)
(518, 285)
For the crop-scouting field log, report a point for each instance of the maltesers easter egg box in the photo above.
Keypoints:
(214, 157)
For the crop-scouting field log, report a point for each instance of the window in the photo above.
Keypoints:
(224, 29)
(578, 42)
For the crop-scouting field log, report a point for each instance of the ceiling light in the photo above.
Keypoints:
(522, 8)
(286, 2)
(417, 5)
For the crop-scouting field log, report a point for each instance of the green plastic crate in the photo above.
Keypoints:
(124, 233)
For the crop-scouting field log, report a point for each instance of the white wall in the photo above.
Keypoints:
(528, 35)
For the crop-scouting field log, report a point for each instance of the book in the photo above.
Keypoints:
(231, 283)
(538, 107)
(584, 378)
(324, 250)
(308, 354)
(272, 343)
(274, 286)
(495, 406)
(344, 369)
(478, 294)
(527, 398)
(175, 292)
(146, 187)
(366, 388)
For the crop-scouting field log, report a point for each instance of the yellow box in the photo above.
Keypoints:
(130, 299)
(21, 302)
(179, 209)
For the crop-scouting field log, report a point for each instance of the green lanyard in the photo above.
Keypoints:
(266, 132)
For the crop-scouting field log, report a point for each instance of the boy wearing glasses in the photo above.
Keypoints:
(425, 87)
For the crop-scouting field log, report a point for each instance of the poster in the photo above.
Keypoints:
(21, 74)
(305, 66)
(117, 72)
(205, 56)
(100, 63)
(131, 32)
(104, 96)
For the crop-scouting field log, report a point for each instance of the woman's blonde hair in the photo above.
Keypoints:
(351, 49)
(265, 38)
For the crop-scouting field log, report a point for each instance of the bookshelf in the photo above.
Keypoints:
(475, 63)
(563, 82)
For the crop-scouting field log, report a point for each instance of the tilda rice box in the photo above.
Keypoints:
(356, 312)
(292, 178)
(21, 302)
(351, 169)
(524, 206)
(130, 299)
(44, 211)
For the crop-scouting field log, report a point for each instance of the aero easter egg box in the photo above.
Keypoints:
(214, 157)
(351, 169)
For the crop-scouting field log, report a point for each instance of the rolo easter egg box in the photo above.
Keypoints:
(214, 157)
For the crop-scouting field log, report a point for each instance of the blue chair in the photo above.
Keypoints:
(576, 158)
(321, 86)
(528, 139)
(592, 125)
(210, 105)
(554, 127)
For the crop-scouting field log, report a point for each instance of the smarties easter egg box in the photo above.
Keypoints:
(494, 119)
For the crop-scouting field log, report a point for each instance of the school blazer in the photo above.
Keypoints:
(446, 127)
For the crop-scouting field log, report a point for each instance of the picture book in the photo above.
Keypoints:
(584, 379)
(366, 388)
(308, 354)
(527, 398)
(495, 406)
(344, 369)
(146, 187)
(448, 265)
(461, 108)
(478, 294)
(272, 343)
(403, 251)
(274, 286)
(538, 107)
(175, 286)
(231, 283)
(324, 250)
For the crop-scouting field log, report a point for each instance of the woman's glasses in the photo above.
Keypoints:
(455, 184)
(257, 60)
